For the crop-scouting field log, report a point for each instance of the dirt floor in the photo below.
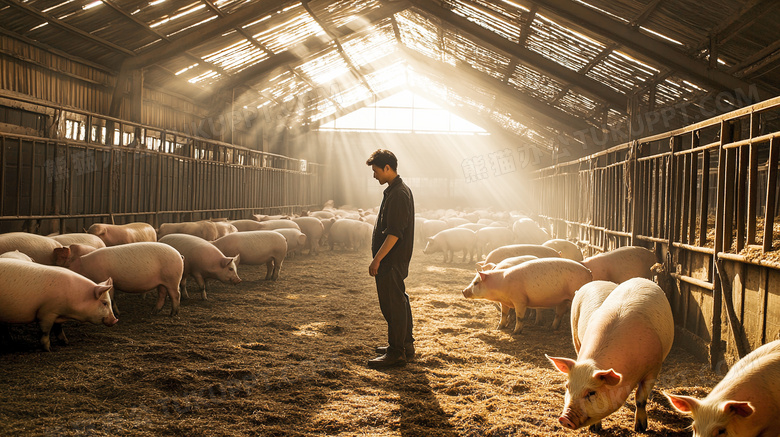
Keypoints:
(288, 358)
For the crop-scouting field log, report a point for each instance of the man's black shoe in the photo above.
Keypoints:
(408, 349)
(387, 360)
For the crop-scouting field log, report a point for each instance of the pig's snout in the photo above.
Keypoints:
(236, 281)
(468, 293)
(566, 423)
(110, 321)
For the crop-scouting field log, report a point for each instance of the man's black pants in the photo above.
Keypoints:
(394, 303)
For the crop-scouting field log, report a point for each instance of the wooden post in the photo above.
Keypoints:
(716, 351)
(752, 191)
(769, 212)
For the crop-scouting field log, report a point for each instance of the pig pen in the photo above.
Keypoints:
(288, 358)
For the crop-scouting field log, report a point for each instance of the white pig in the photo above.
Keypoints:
(453, 240)
(746, 403)
(296, 239)
(202, 261)
(314, 229)
(79, 238)
(204, 229)
(224, 228)
(50, 295)
(255, 248)
(134, 267)
(621, 264)
(586, 301)
(352, 234)
(566, 248)
(528, 232)
(114, 235)
(623, 347)
(16, 255)
(497, 255)
(493, 237)
(432, 227)
(541, 283)
(37, 247)
(507, 263)
(270, 225)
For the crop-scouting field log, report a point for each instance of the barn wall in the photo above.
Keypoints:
(701, 198)
(444, 171)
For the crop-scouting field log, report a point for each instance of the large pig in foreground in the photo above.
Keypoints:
(621, 264)
(746, 403)
(586, 301)
(623, 347)
(50, 295)
(114, 235)
(541, 283)
(566, 248)
(453, 240)
(79, 238)
(202, 260)
(134, 267)
(256, 247)
(37, 247)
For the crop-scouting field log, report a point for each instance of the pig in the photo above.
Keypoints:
(79, 238)
(621, 264)
(296, 239)
(453, 222)
(37, 247)
(745, 403)
(586, 301)
(507, 263)
(370, 219)
(497, 255)
(352, 234)
(473, 226)
(528, 232)
(16, 255)
(453, 240)
(134, 267)
(314, 229)
(432, 227)
(246, 225)
(624, 344)
(113, 235)
(264, 217)
(256, 247)
(224, 228)
(204, 229)
(202, 261)
(490, 237)
(322, 214)
(51, 295)
(566, 248)
(541, 283)
(270, 225)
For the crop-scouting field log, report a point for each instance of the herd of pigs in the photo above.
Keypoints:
(621, 321)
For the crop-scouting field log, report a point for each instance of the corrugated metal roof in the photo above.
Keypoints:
(329, 57)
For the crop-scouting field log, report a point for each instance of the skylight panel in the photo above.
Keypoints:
(324, 67)
(562, 45)
(387, 78)
(419, 34)
(286, 30)
(375, 43)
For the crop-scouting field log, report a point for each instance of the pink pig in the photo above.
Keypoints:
(202, 260)
(497, 255)
(114, 235)
(621, 264)
(623, 347)
(256, 247)
(541, 283)
(37, 247)
(50, 295)
(79, 238)
(134, 267)
(746, 403)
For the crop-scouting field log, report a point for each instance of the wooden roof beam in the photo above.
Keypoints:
(547, 115)
(29, 10)
(588, 86)
(645, 45)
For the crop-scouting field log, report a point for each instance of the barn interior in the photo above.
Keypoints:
(611, 123)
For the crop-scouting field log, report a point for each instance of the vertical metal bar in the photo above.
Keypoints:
(675, 204)
(717, 292)
(693, 172)
(705, 197)
(752, 191)
(633, 192)
(742, 195)
(771, 189)
(3, 185)
(18, 176)
(728, 212)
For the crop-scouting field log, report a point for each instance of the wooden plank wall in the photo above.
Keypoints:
(702, 206)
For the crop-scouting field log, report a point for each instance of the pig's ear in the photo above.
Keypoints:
(61, 255)
(103, 287)
(236, 258)
(742, 409)
(683, 404)
(609, 377)
(482, 275)
(225, 262)
(564, 365)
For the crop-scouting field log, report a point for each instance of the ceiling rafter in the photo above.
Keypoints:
(312, 45)
(550, 115)
(647, 11)
(339, 48)
(638, 42)
(746, 17)
(29, 10)
(588, 86)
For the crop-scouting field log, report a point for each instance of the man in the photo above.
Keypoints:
(391, 246)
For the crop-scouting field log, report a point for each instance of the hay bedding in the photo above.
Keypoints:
(288, 359)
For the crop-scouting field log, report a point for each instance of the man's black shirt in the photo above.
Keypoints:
(396, 217)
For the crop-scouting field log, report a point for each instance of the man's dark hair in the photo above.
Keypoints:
(383, 157)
